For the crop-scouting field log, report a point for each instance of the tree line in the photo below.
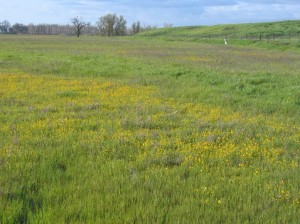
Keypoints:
(108, 25)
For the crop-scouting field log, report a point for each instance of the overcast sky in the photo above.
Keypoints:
(154, 12)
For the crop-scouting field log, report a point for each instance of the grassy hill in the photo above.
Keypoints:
(285, 34)
(282, 28)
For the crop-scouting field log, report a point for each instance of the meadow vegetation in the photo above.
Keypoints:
(281, 27)
(134, 130)
(283, 35)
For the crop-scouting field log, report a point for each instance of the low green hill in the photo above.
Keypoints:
(282, 35)
(250, 29)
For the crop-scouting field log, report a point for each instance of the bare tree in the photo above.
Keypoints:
(57, 29)
(79, 24)
(111, 24)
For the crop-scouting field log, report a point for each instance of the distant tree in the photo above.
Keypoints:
(168, 25)
(90, 30)
(111, 24)
(18, 28)
(120, 27)
(106, 24)
(144, 28)
(135, 27)
(57, 29)
(79, 24)
(4, 26)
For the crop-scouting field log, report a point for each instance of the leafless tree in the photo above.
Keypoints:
(79, 24)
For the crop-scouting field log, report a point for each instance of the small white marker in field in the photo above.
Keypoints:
(225, 41)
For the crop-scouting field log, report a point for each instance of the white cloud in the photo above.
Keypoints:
(155, 12)
(250, 12)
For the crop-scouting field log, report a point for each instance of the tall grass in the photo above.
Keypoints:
(133, 131)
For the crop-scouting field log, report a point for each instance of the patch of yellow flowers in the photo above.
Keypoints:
(159, 131)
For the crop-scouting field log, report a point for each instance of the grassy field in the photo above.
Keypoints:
(132, 130)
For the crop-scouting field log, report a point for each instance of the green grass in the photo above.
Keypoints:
(282, 27)
(136, 130)
(283, 35)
